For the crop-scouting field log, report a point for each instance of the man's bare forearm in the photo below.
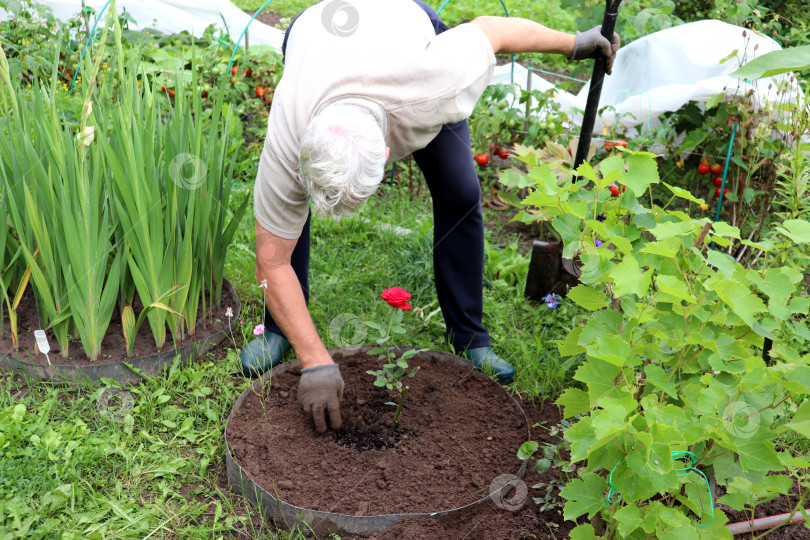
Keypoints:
(516, 35)
(286, 303)
(285, 299)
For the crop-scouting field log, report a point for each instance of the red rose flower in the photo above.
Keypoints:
(397, 297)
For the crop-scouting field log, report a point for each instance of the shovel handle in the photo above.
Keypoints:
(595, 90)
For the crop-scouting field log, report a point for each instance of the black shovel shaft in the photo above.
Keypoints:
(595, 90)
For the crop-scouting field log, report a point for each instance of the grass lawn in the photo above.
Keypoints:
(151, 469)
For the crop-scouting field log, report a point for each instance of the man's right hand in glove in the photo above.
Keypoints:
(319, 392)
(321, 387)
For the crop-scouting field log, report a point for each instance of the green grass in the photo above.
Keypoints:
(68, 469)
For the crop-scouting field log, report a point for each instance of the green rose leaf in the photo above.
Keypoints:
(527, 450)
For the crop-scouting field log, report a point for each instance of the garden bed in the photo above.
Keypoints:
(146, 358)
(459, 431)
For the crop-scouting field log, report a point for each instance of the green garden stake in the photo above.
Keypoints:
(238, 41)
(725, 174)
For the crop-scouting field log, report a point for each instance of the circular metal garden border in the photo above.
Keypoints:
(325, 523)
(125, 372)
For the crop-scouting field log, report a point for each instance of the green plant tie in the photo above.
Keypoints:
(238, 41)
(614, 497)
(89, 40)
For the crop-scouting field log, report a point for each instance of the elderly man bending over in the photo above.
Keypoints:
(367, 82)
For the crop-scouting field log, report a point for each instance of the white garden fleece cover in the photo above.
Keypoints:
(172, 16)
(663, 71)
(655, 74)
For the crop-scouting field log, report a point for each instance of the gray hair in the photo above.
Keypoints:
(342, 159)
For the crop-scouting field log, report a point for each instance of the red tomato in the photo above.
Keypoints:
(491, 146)
(620, 142)
(162, 87)
(260, 92)
(504, 153)
(704, 169)
(608, 146)
(204, 95)
(717, 181)
(234, 70)
(171, 93)
(482, 159)
(726, 192)
(248, 72)
(614, 190)
(496, 151)
(717, 168)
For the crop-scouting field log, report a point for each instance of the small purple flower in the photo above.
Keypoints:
(601, 217)
(552, 300)
(598, 242)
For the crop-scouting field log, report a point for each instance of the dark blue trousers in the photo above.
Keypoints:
(458, 230)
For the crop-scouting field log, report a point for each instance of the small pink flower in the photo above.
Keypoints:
(259, 330)
(229, 312)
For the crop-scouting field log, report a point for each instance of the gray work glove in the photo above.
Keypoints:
(592, 44)
(320, 390)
